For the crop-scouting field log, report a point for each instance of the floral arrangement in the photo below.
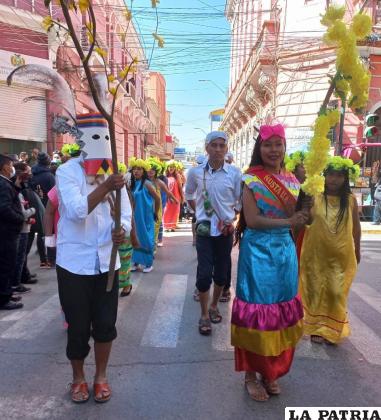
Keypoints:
(338, 163)
(122, 168)
(293, 160)
(139, 163)
(318, 152)
(174, 163)
(351, 81)
(352, 78)
(71, 149)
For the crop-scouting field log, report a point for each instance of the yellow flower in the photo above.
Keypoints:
(159, 39)
(83, 5)
(333, 13)
(111, 78)
(90, 37)
(155, 3)
(128, 14)
(112, 90)
(101, 52)
(47, 23)
(361, 26)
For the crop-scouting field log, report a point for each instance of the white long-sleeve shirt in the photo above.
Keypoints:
(84, 240)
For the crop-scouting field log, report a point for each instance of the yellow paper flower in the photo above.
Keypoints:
(101, 52)
(159, 39)
(128, 14)
(332, 14)
(47, 23)
(122, 168)
(155, 3)
(111, 78)
(83, 5)
(361, 26)
(138, 163)
(112, 90)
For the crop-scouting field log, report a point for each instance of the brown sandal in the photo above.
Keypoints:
(204, 327)
(215, 316)
(102, 392)
(79, 393)
(258, 388)
(317, 339)
(272, 388)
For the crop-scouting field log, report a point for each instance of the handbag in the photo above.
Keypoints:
(203, 228)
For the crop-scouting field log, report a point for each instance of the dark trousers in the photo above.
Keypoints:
(89, 310)
(40, 245)
(229, 275)
(20, 259)
(214, 261)
(8, 256)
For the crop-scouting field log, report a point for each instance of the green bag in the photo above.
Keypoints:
(203, 228)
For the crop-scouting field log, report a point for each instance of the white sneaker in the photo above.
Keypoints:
(160, 244)
(134, 267)
(148, 269)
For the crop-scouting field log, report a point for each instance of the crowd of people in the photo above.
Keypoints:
(297, 255)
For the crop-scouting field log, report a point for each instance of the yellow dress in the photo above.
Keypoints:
(327, 268)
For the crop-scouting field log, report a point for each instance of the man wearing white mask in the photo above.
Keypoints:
(11, 221)
(86, 234)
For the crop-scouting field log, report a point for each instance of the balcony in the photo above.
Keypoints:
(34, 6)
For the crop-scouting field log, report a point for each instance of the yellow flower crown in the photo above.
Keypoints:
(139, 163)
(156, 165)
(122, 168)
(338, 163)
(71, 149)
(293, 160)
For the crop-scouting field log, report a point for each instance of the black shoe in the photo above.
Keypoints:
(30, 280)
(15, 298)
(21, 289)
(32, 276)
(11, 305)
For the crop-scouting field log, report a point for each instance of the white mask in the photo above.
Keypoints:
(13, 173)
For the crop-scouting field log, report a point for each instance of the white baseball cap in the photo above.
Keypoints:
(214, 135)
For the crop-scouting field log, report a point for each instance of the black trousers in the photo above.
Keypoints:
(8, 256)
(89, 310)
(214, 261)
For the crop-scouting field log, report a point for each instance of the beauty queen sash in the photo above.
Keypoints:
(276, 187)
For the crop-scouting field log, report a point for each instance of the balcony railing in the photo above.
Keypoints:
(34, 6)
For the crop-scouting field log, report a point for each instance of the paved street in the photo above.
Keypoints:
(161, 368)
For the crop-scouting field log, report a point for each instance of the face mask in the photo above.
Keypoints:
(13, 173)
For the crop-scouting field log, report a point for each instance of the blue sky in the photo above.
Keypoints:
(197, 47)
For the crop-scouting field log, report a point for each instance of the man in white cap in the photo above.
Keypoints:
(213, 190)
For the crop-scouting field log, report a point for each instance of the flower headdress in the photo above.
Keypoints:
(156, 165)
(71, 149)
(139, 163)
(122, 168)
(293, 160)
(338, 163)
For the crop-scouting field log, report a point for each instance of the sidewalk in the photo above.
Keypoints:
(368, 228)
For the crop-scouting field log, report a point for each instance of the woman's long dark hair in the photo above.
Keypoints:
(344, 194)
(133, 180)
(256, 160)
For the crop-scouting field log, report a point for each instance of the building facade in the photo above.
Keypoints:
(23, 40)
(279, 71)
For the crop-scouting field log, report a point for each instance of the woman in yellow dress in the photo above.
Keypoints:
(330, 254)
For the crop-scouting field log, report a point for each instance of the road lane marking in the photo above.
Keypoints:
(163, 325)
(136, 278)
(37, 320)
(365, 340)
(15, 316)
(221, 337)
(368, 294)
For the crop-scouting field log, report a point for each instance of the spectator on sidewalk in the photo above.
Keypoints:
(213, 190)
(22, 174)
(377, 203)
(24, 157)
(11, 221)
(33, 157)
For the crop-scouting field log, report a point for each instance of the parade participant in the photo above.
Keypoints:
(84, 243)
(164, 200)
(267, 313)
(129, 243)
(147, 205)
(295, 163)
(11, 221)
(330, 254)
(160, 186)
(213, 190)
(172, 210)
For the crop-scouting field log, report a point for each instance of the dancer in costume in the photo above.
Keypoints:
(295, 163)
(172, 210)
(86, 233)
(160, 187)
(330, 254)
(147, 205)
(267, 313)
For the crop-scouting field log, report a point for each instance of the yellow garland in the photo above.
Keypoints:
(318, 153)
(348, 64)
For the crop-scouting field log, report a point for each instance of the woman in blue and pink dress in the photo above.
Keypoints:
(267, 312)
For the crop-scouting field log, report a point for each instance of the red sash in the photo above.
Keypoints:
(273, 184)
